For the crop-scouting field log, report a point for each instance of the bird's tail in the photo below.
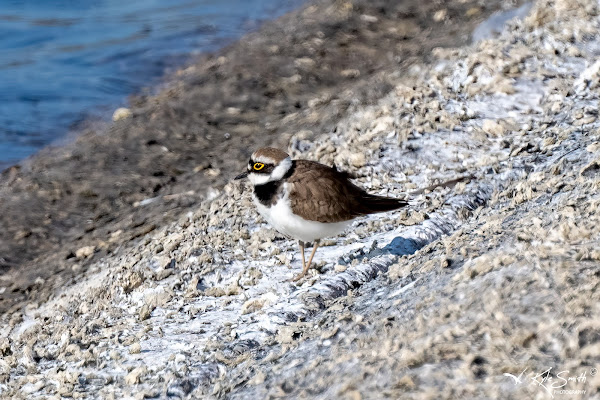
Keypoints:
(375, 204)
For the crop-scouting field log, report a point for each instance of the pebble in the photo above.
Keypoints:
(492, 127)
(121, 113)
(358, 160)
(440, 15)
(85, 251)
(304, 62)
(135, 348)
(135, 376)
(350, 73)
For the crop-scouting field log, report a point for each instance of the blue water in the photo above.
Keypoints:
(62, 61)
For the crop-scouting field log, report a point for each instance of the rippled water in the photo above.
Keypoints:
(64, 60)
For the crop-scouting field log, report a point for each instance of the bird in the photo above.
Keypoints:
(307, 200)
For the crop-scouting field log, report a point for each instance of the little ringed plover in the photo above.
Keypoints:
(307, 200)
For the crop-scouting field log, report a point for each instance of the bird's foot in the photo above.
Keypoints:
(297, 277)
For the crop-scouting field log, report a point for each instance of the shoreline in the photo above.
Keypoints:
(299, 73)
(50, 85)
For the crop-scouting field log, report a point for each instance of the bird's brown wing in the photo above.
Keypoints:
(321, 193)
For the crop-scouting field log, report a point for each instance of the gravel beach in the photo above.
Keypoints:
(487, 288)
(165, 154)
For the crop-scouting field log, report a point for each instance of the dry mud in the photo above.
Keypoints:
(477, 290)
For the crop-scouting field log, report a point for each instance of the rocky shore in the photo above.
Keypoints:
(477, 290)
(114, 184)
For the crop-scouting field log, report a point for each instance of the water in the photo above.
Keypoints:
(62, 61)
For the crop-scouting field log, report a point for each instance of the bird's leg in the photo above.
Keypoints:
(307, 265)
(312, 254)
(301, 243)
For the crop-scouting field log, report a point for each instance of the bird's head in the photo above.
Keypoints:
(266, 165)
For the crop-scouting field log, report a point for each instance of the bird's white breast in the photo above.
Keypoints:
(281, 217)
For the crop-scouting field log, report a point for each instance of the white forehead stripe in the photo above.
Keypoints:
(282, 169)
(263, 159)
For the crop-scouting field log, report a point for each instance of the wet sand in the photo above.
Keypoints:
(113, 184)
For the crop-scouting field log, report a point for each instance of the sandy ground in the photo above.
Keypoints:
(486, 289)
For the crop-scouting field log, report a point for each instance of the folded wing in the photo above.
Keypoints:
(321, 193)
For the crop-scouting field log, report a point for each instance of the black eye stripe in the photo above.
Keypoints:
(267, 169)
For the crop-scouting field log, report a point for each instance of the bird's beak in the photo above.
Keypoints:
(242, 175)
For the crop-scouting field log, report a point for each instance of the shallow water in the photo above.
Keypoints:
(64, 60)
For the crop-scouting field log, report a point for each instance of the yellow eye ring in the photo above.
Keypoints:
(258, 166)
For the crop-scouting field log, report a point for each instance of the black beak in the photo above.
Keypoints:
(242, 175)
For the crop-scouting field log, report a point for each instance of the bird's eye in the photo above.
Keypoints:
(258, 166)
